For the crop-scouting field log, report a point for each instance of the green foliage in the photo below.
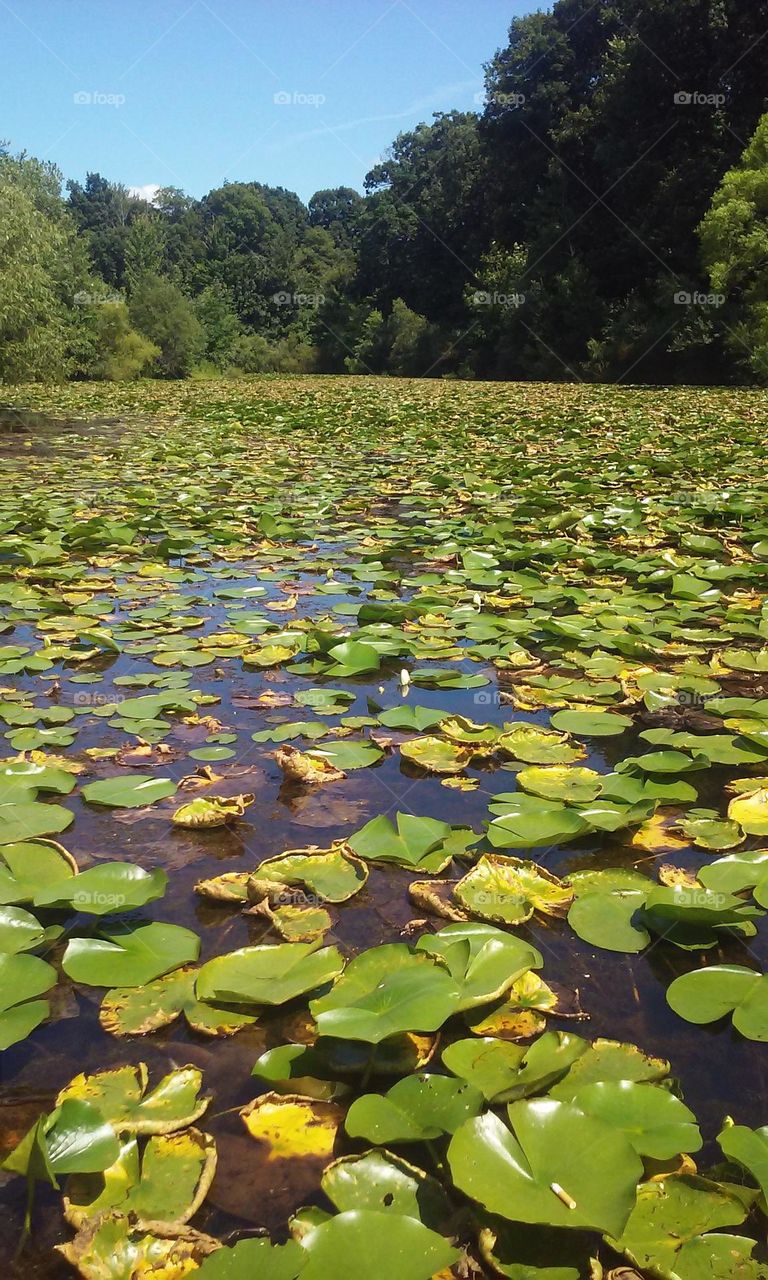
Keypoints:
(734, 243)
(161, 312)
(32, 314)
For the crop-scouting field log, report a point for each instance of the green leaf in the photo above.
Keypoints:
(31, 865)
(591, 724)
(656, 1123)
(555, 1166)
(706, 995)
(131, 955)
(22, 979)
(483, 961)
(106, 889)
(669, 1229)
(123, 1099)
(365, 1242)
(26, 820)
(130, 792)
(415, 1109)
(268, 975)
(385, 991)
(508, 890)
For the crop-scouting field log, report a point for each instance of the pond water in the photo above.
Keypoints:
(240, 493)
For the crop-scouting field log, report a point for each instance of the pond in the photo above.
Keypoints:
(531, 616)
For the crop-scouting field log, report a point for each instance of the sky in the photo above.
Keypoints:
(303, 94)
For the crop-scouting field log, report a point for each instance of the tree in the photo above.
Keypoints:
(420, 231)
(32, 321)
(336, 210)
(161, 312)
(144, 250)
(103, 212)
(734, 245)
(220, 324)
(121, 352)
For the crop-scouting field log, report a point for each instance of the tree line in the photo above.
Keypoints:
(603, 216)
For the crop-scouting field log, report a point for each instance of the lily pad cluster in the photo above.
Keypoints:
(374, 717)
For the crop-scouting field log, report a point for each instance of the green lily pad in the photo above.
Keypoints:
(382, 1181)
(508, 890)
(268, 975)
(534, 745)
(482, 960)
(672, 1230)
(106, 889)
(591, 724)
(131, 792)
(386, 991)
(656, 1123)
(436, 755)
(165, 1184)
(335, 875)
(31, 865)
(136, 1011)
(131, 955)
(23, 978)
(26, 820)
(706, 995)
(561, 782)
(366, 1242)
(415, 1109)
(544, 1168)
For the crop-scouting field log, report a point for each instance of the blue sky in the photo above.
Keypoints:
(296, 93)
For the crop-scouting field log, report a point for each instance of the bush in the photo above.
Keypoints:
(161, 312)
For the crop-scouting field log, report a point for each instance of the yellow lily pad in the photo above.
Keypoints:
(293, 1127)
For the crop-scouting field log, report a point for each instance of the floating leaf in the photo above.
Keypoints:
(268, 975)
(122, 1099)
(555, 1166)
(293, 1127)
(23, 978)
(413, 1110)
(130, 792)
(384, 992)
(106, 889)
(129, 956)
(212, 811)
(508, 890)
(136, 1011)
(706, 995)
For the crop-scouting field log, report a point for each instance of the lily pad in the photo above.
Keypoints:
(268, 975)
(131, 792)
(543, 1169)
(706, 995)
(131, 955)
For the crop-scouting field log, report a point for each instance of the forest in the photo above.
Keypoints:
(602, 216)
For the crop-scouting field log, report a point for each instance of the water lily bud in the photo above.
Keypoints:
(405, 678)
